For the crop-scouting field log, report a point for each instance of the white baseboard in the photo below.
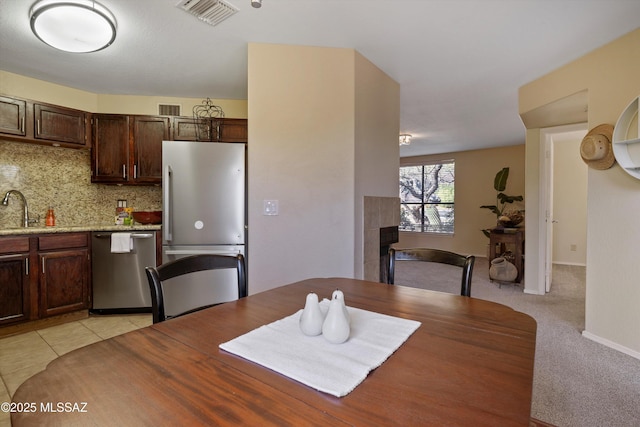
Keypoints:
(611, 344)
(578, 264)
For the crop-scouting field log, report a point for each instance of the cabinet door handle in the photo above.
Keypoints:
(124, 171)
(43, 269)
(38, 126)
(22, 124)
(135, 171)
(26, 265)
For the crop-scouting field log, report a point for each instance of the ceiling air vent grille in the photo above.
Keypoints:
(212, 12)
(169, 109)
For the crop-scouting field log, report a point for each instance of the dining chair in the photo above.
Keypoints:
(433, 255)
(184, 267)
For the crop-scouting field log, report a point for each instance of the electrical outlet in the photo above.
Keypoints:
(573, 248)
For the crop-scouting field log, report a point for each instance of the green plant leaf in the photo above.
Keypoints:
(500, 181)
(492, 208)
(508, 199)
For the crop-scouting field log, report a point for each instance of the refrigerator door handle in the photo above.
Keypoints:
(166, 209)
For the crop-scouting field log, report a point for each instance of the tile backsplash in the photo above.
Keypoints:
(61, 177)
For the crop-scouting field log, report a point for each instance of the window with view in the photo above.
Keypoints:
(426, 197)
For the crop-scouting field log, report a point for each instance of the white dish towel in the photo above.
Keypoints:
(121, 243)
(336, 369)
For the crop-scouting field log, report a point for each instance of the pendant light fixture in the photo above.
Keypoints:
(78, 26)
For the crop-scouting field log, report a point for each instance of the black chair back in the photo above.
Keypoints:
(433, 255)
(187, 265)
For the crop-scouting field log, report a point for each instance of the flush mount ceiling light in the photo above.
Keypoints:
(78, 26)
(405, 139)
(256, 3)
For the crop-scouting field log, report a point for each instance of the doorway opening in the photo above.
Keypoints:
(563, 237)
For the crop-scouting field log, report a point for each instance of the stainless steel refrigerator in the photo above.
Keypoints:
(203, 211)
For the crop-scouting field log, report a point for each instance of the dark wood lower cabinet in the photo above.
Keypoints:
(43, 275)
(15, 280)
(64, 282)
(14, 288)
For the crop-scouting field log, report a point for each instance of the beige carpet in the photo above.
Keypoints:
(577, 382)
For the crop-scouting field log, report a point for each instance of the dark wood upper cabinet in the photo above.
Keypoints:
(13, 114)
(147, 136)
(233, 130)
(110, 148)
(209, 130)
(128, 149)
(125, 149)
(46, 124)
(36, 122)
(184, 129)
(58, 124)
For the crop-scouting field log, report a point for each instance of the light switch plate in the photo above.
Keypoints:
(270, 207)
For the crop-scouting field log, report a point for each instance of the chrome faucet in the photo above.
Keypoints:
(25, 208)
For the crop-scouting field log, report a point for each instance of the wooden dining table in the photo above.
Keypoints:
(470, 362)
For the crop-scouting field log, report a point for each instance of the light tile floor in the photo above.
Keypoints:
(24, 355)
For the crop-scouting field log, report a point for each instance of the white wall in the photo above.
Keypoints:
(377, 152)
(569, 204)
(39, 90)
(308, 129)
(610, 75)
(534, 281)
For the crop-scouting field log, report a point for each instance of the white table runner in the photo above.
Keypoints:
(331, 368)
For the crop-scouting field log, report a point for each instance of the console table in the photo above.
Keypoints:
(514, 238)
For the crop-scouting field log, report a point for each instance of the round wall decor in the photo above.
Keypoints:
(626, 139)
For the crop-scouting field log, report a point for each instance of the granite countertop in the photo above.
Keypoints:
(75, 228)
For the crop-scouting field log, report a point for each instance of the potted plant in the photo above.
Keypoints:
(503, 217)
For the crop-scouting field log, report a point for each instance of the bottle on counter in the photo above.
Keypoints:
(128, 219)
(121, 213)
(50, 220)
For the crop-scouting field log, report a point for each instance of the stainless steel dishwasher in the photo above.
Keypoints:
(119, 279)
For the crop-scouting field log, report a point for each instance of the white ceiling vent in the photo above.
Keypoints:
(212, 12)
